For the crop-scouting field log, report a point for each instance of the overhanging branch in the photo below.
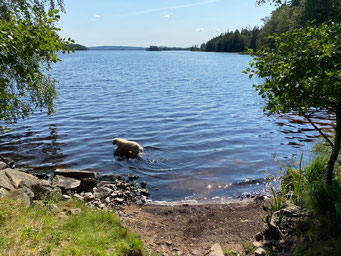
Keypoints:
(317, 128)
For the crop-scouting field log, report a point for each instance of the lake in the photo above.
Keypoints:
(197, 116)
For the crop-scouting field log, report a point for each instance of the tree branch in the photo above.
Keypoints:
(316, 127)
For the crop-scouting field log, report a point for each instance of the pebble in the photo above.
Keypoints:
(260, 252)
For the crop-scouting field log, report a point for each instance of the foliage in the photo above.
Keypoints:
(237, 41)
(283, 19)
(323, 201)
(38, 230)
(28, 46)
(248, 248)
(227, 252)
(77, 47)
(302, 73)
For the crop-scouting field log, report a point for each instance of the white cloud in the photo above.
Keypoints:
(166, 16)
(97, 16)
(176, 7)
(200, 30)
(218, 30)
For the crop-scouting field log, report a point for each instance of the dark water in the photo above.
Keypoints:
(196, 115)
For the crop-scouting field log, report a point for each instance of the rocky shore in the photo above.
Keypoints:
(240, 227)
(108, 192)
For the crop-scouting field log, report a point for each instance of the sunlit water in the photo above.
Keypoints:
(197, 116)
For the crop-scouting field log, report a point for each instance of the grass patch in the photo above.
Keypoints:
(307, 188)
(248, 248)
(38, 230)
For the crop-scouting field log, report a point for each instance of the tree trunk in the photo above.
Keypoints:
(336, 147)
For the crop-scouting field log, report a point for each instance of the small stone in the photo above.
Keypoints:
(169, 243)
(132, 177)
(78, 196)
(119, 200)
(197, 252)
(108, 200)
(260, 252)
(102, 206)
(257, 244)
(216, 250)
(143, 184)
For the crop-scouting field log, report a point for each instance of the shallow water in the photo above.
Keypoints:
(197, 116)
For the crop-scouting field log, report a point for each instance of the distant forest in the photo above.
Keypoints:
(166, 48)
(293, 14)
(78, 47)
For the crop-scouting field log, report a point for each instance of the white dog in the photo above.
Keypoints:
(127, 148)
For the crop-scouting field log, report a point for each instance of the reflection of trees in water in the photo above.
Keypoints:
(299, 130)
(33, 148)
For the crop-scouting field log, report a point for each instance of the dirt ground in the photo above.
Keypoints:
(193, 229)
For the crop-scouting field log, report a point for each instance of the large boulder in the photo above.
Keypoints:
(15, 180)
(79, 175)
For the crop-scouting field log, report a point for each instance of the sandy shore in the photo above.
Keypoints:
(189, 229)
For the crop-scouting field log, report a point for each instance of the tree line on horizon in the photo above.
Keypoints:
(288, 16)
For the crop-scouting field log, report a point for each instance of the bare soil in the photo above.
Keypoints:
(193, 229)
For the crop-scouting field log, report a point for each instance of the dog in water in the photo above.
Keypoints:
(127, 148)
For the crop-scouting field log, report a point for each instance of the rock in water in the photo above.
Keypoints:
(76, 174)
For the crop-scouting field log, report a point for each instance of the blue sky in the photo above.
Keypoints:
(180, 23)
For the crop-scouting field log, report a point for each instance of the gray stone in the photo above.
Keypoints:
(66, 183)
(78, 196)
(66, 197)
(260, 252)
(76, 174)
(11, 180)
(3, 165)
(216, 250)
(102, 192)
(257, 244)
(119, 200)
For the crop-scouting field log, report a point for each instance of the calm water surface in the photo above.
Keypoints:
(196, 115)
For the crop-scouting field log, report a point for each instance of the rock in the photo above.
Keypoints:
(76, 174)
(66, 197)
(88, 184)
(111, 177)
(6, 162)
(66, 183)
(102, 192)
(3, 192)
(119, 200)
(78, 197)
(144, 192)
(169, 243)
(259, 237)
(88, 196)
(11, 179)
(260, 252)
(3, 165)
(257, 244)
(19, 194)
(216, 250)
(132, 177)
(143, 184)
(197, 252)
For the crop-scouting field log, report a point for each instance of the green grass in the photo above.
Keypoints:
(307, 187)
(227, 252)
(248, 248)
(39, 231)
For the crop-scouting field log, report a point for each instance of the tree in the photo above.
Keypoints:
(28, 46)
(302, 73)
